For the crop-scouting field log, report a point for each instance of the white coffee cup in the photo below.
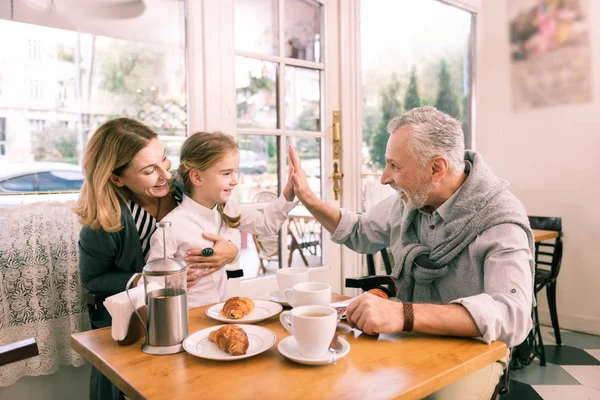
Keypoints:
(288, 277)
(309, 294)
(312, 327)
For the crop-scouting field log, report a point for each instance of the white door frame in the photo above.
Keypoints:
(210, 59)
(351, 110)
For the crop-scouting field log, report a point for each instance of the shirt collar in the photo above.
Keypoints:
(197, 208)
(444, 210)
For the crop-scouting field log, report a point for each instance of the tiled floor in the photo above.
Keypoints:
(572, 370)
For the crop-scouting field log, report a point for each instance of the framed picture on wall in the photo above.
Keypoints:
(549, 52)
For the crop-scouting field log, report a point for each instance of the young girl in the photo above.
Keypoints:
(209, 166)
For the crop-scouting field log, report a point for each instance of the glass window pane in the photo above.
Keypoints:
(303, 35)
(61, 84)
(304, 232)
(257, 26)
(302, 99)
(258, 167)
(256, 87)
(409, 60)
(258, 184)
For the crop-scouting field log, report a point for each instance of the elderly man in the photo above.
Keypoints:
(461, 243)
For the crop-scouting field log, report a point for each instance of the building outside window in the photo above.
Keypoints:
(59, 85)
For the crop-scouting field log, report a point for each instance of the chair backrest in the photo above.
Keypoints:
(548, 254)
(18, 351)
(387, 264)
(266, 246)
(264, 196)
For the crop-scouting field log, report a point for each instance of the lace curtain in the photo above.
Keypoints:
(40, 292)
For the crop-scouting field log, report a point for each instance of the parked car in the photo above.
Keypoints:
(18, 182)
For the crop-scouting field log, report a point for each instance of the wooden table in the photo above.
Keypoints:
(399, 366)
(541, 235)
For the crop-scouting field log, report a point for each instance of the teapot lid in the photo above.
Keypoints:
(165, 265)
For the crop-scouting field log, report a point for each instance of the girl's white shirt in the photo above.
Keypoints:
(190, 219)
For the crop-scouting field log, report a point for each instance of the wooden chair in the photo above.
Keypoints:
(548, 259)
(18, 351)
(267, 247)
(372, 280)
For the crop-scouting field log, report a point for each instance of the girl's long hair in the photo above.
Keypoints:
(201, 151)
(109, 151)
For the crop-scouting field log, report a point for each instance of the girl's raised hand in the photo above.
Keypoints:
(288, 189)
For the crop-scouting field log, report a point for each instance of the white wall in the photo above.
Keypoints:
(550, 157)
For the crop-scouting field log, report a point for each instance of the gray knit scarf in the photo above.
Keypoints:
(483, 201)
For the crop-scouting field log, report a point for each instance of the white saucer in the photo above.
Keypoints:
(263, 309)
(259, 339)
(289, 348)
(278, 298)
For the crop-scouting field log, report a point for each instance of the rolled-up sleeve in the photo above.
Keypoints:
(267, 221)
(367, 233)
(503, 311)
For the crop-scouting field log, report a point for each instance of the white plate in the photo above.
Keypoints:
(278, 298)
(263, 309)
(289, 348)
(259, 339)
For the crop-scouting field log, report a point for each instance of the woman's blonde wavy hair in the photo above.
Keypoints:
(201, 151)
(109, 151)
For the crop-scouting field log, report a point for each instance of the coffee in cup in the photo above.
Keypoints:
(312, 327)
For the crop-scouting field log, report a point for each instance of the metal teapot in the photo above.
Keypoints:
(166, 303)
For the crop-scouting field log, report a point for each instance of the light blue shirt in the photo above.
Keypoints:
(491, 277)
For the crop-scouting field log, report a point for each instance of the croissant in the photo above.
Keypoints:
(231, 339)
(237, 307)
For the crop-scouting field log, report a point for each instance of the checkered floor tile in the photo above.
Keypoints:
(572, 370)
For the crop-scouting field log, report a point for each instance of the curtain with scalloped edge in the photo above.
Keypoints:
(40, 291)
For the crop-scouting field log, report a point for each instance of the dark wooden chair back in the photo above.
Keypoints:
(18, 351)
(548, 256)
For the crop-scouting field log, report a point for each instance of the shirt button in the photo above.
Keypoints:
(432, 227)
(513, 291)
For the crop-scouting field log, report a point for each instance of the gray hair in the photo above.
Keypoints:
(434, 133)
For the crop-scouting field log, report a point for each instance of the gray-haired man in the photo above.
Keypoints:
(452, 209)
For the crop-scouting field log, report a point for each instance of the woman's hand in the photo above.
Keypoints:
(224, 252)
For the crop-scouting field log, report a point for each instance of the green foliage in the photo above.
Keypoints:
(255, 85)
(390, 108)
(446, 98)
(55, 144)
(371, 117)
(308, 120)
(411, 99)
(126, 68)
(466, 119)
(308, 148)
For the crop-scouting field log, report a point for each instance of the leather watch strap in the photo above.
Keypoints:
(409, 317)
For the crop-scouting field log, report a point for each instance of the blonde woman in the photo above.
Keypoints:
(208, 169)
(127, 188)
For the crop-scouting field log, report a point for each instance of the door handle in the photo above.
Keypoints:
(337, 177)
(336, 134)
